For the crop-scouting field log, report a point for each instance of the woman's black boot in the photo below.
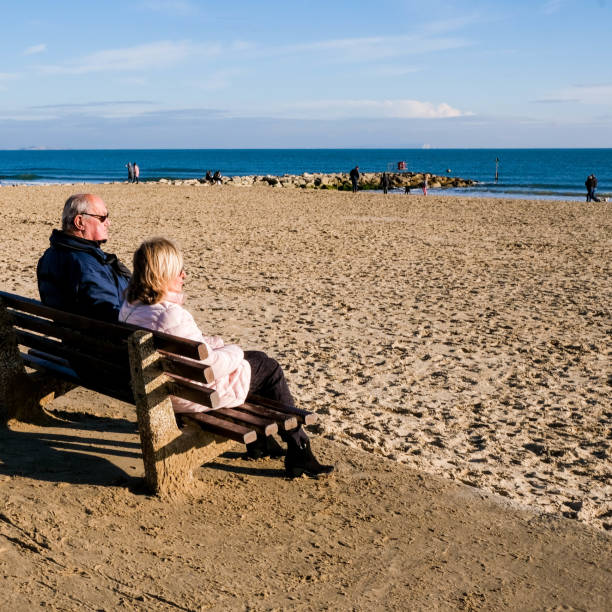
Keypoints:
(273, 448)
(264, 446)
(300, 460)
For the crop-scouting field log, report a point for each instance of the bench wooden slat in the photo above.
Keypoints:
(102, 368)
(49, 357)
(284, 421)
(73, 321)
(259, 424)
(179, 346)
(115, 331)
(303, 416)
(116, 351)
(187, 368)
(69, 375)
(193, 392)
(238, 433)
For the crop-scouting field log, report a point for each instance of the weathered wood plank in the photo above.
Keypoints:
(115, 331)
(259, 424)
(303, 416)
(284, 421)
(233, 431)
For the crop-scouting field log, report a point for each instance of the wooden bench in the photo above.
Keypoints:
(45, 353)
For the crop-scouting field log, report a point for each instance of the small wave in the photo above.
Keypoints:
(25, 176)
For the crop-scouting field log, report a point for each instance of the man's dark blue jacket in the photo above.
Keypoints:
(76, 275)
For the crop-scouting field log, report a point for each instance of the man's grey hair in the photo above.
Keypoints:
(75, 205)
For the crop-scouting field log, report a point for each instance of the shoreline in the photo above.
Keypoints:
(471, 191)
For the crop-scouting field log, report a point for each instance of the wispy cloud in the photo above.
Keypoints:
(358, 109)
(110, 109)
(584, 94)
(90, 105)
(137, 58)
(552, 6)
(437, 35)
(394, 71)
(554, 101)
(172, 7)
(322, 110)
(35, 49)
(375, 48)
(218, 80)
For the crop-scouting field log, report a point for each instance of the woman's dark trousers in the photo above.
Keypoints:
(268, 380)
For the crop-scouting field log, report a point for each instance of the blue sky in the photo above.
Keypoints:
(200, 74)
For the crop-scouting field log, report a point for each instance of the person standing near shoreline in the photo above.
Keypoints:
(384, 182)
(136, 171)
(130, 171)
(354, 176)
(425, 180)
(591, 186)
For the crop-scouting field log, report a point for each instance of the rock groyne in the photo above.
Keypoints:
(339, 181)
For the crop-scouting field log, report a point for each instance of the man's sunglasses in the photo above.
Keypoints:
(101, 218)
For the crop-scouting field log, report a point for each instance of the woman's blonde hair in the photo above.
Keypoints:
(156, 262)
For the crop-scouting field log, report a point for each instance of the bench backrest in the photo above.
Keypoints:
(94, 353)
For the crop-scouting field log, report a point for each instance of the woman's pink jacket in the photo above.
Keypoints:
(232, 372)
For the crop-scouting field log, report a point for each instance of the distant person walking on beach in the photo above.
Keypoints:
(130, 171)
(384, 182)
(591, 186)
(354, 175)
(136, 170)
(425, 179)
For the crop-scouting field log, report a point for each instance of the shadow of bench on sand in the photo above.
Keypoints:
(91, 455)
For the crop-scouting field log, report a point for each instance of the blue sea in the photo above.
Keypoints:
(524, 173)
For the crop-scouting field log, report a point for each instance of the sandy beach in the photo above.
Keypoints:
(457, 351)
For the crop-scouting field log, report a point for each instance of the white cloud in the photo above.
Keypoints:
(138, 58)
(358, 109)
(35, 49)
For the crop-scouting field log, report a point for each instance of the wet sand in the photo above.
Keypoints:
(440, 339)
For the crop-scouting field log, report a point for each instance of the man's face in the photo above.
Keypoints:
(93, 227)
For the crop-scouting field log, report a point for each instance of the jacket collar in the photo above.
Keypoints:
(59, 238)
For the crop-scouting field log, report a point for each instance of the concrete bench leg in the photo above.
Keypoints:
(169, 454)
(22, 395)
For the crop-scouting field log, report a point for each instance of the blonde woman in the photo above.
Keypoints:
(154, 300)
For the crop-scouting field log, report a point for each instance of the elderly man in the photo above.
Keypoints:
(75, 274)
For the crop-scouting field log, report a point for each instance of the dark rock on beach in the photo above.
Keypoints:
(339, 181)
